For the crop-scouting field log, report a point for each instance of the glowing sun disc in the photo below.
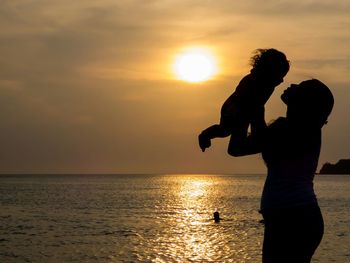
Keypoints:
(195, 65)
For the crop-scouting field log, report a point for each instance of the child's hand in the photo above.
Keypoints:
(204, 142)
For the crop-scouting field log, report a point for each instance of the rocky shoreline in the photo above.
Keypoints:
(341, 167)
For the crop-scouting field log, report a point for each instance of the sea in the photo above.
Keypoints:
(152, 218)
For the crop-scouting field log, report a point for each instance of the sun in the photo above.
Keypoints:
(195, 65)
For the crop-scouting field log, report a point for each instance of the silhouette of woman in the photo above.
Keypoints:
(290, 147)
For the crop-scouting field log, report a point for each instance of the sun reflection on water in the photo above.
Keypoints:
(194, 188)
(196, 201)
(185, 230)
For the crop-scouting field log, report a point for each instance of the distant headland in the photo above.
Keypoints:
(341, 167)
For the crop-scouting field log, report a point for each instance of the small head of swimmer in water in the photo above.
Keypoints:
(216, 217)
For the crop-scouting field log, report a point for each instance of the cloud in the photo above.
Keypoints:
(85, 86)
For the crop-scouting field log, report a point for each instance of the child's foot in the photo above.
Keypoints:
(204, 142)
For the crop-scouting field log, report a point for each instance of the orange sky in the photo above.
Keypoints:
(86, 86)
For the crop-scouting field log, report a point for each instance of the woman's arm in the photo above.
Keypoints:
(245, 145)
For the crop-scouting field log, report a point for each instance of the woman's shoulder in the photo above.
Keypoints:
(288, 138)
(277, 130)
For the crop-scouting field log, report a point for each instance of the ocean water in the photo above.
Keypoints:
(151, 218)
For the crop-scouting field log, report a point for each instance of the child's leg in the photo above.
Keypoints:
(215, 131)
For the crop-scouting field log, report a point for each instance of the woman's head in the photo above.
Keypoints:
(309, 102)
(271, 64)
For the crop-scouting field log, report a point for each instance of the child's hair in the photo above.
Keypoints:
(267, 59)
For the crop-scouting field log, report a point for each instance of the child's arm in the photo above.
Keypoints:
(215, 131)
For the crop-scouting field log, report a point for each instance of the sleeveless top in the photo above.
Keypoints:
(291, 156)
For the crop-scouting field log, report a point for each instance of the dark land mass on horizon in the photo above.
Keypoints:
(341, 167)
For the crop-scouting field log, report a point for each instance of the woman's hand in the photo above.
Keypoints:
(250, 144)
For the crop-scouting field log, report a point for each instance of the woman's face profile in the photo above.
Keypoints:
(289, 93)
(309, 100)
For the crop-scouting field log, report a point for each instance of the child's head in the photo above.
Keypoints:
(270, 64)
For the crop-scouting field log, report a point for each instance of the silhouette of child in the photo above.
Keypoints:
(269, 66)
